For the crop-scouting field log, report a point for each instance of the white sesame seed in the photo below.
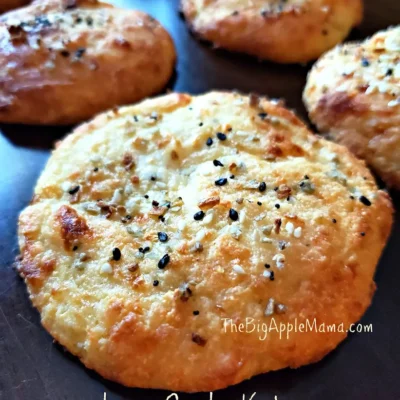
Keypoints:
(297, 232)
(238, 269)
(200, 235)
(267, 229)
(394, 103)
(95, 158)
(235, 232)
(134, 230)
(106, 269)
(266, 240)
(267, 274)
(289, 228)
(208, 218)
(270, 307)
(281, 308)
(280, 260)
(117, 197)
(181, 224)
(65, 186)
(129, 189)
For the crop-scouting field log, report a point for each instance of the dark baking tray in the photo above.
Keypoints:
(32, 367)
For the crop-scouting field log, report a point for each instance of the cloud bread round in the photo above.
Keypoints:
(153, 225)
(283, 31)
(353, 93)
(64, 62)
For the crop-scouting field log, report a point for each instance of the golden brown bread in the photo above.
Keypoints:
(63, 63)
(353, 94)
(152, 224)
(289, 31)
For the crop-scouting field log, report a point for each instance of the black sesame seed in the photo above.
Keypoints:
(161, 218)
(164, 261)
(233, 214)
(221, 136)
(75, 248)
(95, 169)
(155, 203)
(146, 196)
(263, 115)
(155, 283)
(65, 53)
(277, 206)
(196, 312)
(221, 182)
(162, 237)
(362, 233)
(389, 72)
(80, 52)
(334, 220)
(365, 201)
(365, 62)
(262, 187)
(153, 178)
(218, 163)
(116, 254)
(198, 216)
(276, 188)
(272, 276)
(74, 190)
(201, 124)
(232, 177)
(352, 197)
(267, 266)
(259, 203)
(306, 177)
(209, 142)
(146, 249)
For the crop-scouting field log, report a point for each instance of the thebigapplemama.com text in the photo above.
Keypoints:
(284, 330)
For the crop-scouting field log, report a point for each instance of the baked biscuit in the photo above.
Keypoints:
(155, 225)
(7, 5)
(291, 31)
(353, 93)
(63, 62)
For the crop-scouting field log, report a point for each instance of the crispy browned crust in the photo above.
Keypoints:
(286, 32)
(7, 5)
(104, 307)
(61, 64)
(353, 94)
